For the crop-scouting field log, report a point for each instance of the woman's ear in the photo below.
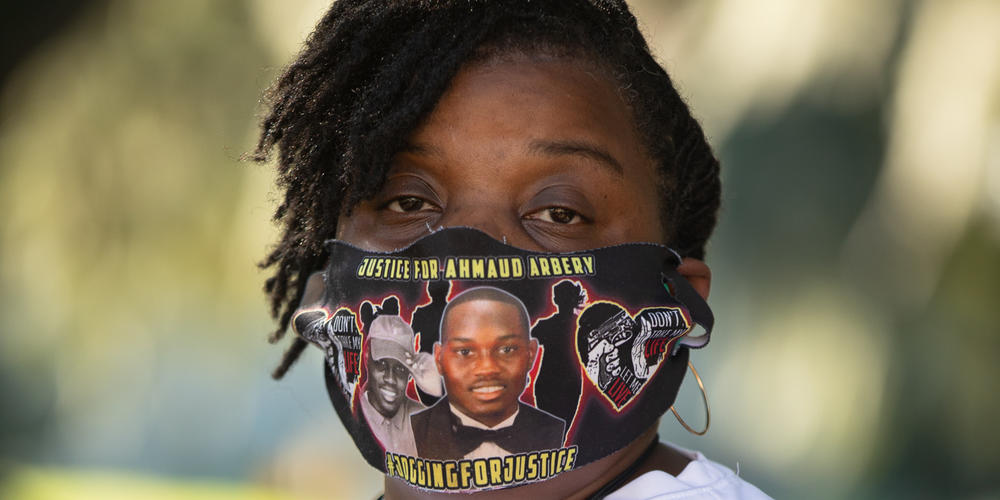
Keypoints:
(698, 274)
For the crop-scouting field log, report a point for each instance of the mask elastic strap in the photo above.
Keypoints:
(681, 290)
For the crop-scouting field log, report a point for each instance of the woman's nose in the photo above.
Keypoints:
(501, 222)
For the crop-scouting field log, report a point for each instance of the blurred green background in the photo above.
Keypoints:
(857, 265)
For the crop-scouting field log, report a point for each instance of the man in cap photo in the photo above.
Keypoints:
(391, 362)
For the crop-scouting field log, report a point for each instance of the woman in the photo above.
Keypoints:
(545, 124)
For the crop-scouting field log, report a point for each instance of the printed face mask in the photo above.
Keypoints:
(461, 363)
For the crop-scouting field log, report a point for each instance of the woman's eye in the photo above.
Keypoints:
(557, 215)
(407, 204)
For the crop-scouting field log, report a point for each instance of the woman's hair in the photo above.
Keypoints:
(373, 69)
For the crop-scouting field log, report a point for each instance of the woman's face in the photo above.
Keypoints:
(541, 154)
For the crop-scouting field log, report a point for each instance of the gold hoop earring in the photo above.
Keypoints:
(704, 397)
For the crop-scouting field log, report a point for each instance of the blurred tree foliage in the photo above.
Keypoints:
(123, 227)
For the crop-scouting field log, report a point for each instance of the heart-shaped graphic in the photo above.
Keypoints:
(337, 334)
(620, 352)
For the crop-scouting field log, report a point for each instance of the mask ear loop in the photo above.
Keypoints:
(704, 397)
(702, 315)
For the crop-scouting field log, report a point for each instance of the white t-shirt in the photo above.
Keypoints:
(702, 478)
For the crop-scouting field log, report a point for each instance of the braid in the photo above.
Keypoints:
(373, 69)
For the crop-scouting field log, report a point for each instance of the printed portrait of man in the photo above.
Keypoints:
(483, 356)
(391, 362)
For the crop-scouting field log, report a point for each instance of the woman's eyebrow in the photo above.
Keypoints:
(420, 149)
(577, 148)
(541, 147)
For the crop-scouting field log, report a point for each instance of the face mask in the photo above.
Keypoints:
(461, 363)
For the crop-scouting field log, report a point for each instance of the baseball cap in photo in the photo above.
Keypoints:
(391, 337)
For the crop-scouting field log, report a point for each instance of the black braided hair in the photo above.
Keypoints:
(373, 69)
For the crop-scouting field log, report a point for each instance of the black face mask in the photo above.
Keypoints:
(461, 363)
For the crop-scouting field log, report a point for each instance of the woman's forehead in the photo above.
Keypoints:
(530, 105)
(579, 89)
